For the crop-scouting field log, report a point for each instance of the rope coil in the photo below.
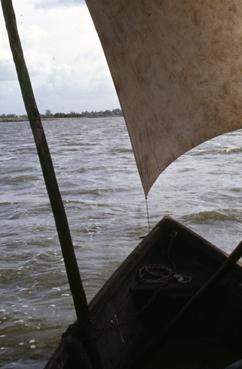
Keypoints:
(161, 274)
(155, 274)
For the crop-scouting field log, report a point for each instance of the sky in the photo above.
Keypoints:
(66, 63)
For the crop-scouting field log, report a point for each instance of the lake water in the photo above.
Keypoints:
(107, 215)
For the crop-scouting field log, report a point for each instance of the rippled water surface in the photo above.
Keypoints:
(107, 215)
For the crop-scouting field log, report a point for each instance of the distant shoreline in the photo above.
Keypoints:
(93, 114)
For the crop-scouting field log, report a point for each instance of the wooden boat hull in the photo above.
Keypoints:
(134, 307)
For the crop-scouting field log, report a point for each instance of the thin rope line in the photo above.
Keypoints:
(147, 213)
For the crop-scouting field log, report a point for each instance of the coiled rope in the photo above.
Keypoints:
(161, 274)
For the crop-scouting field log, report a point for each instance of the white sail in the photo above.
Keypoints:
(177, 68)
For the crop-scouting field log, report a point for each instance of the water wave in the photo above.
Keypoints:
(208, 152)
(214, 216)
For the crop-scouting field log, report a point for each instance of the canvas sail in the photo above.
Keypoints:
(177, 69)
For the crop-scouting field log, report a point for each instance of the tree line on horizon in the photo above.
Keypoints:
(86, 114)
(48, 115)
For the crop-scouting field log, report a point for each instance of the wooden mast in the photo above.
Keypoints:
(75, 282)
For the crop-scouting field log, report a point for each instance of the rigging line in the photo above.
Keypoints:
(147, 212)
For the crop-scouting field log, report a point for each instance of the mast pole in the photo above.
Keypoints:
(75, 282)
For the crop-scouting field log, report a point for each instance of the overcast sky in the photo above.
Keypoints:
(64, 57)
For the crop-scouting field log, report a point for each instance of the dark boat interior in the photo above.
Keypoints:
(132, 313)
